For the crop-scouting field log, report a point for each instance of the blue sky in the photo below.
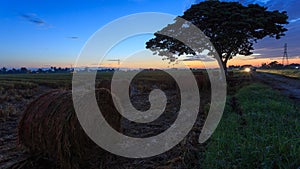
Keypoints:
(39, 33)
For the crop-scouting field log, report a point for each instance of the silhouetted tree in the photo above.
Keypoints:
(13, 70)
(3, 70)
(275, 65)
(264, 66)
(23, 70)
(40, 70)
(231, 27)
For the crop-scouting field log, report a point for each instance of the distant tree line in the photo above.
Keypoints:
(272, 65)
(277, 65)
(24, 70)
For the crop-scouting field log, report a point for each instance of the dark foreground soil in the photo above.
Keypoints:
(13, 104)
(184, 155)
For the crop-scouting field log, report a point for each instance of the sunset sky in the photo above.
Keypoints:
(43, 33)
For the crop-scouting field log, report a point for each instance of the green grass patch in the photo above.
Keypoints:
(294, 73)
(264, 133)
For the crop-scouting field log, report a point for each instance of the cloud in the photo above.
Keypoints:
(73, 37)
(34, 19)
(203, 58)
(294, 20)
(261, 2)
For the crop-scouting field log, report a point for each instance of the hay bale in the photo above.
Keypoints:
(50, 127)
(203, 81)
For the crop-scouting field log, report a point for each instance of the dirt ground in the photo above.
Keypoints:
(11, 154)
(288, 86)
(187, 152)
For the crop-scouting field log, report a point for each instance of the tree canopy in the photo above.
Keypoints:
(231, 27)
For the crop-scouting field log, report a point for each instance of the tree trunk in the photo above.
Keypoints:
(224, 64)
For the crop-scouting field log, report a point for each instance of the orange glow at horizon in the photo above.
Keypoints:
(161, 65)
(196, 64)
(259, 62)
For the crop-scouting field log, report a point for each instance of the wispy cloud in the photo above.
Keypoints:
(34, 19)
(72, 37)
(259, 1)
(294, 20)
(199, 58)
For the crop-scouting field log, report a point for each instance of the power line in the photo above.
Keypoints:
(285, 58)
(118, 60)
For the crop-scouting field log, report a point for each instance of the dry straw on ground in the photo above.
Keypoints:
(49, 127)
